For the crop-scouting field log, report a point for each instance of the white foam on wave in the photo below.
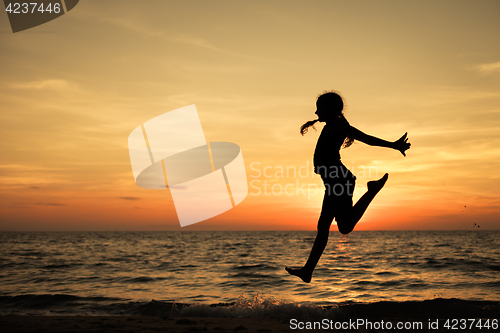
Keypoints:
(259, 307)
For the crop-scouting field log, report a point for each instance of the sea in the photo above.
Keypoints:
(121, 273)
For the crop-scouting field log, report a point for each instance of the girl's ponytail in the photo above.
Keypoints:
(305, 127)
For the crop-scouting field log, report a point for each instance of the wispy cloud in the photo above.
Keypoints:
(54, 84)
(490, 68)
(29, 168)
(132, 24)
(130, 198)
(52, 204)
(142, 27)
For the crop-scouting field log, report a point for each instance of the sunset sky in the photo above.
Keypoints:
(73, 89)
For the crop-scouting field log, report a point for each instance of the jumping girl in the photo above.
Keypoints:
(339, 181)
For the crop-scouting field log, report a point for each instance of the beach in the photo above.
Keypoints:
(137, 324)
(439, 315)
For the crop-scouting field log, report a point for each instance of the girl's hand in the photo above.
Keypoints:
(402, 144)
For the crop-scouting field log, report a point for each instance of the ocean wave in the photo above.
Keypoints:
(258, 267)
(53, 304)
(387, 273)
(264, 307)
(252, 307)
(256, 307)
(61, 266)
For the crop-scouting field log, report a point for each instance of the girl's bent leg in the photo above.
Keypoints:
(347, 219)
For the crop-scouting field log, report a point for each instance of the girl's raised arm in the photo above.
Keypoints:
(401, 144)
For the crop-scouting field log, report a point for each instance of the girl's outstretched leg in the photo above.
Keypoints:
(305, 273)
(331, 204)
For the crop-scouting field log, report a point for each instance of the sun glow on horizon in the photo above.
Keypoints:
(70, 98)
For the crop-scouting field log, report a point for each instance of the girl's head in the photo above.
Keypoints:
(329, 106)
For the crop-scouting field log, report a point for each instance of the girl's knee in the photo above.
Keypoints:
(344, 230)
(345, 225)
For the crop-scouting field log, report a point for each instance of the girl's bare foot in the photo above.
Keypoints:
(301, 273)
(376, 185)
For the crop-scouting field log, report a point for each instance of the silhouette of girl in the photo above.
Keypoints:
(339, 181)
